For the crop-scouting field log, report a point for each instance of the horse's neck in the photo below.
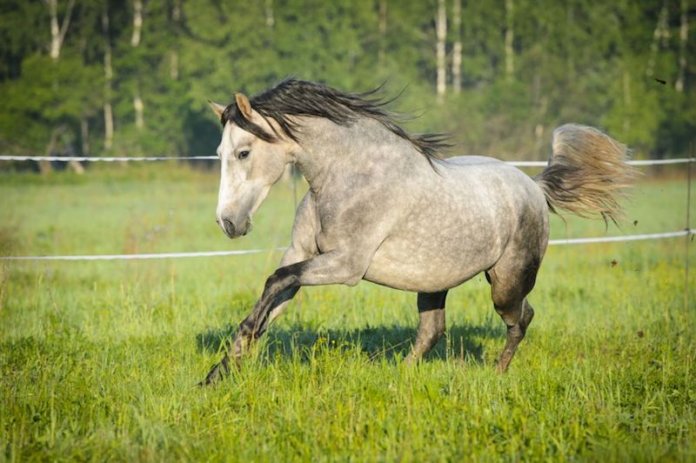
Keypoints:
(323, 143)
(365, 145)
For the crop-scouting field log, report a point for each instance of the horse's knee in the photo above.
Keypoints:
(510, 315)
(430, 329)
(515, 332)
(432, 323)
(519, 315)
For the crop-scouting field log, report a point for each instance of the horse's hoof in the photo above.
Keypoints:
(216, 374)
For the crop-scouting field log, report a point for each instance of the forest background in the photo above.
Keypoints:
(132, 78)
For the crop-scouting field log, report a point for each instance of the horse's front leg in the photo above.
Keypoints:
(330, 268)
(253, 325)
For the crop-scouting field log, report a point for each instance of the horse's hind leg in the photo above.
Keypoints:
(515, 334)
(510, 285)
(431, 325)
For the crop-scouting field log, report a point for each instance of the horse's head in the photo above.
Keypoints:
(252, 159)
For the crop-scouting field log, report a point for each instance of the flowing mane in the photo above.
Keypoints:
(293, 97)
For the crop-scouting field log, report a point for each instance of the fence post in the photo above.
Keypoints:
(688, 226)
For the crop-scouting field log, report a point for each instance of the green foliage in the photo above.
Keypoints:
(55, 95)
(588, 62)
(98, 360)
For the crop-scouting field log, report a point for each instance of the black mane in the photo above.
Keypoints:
(294, 97)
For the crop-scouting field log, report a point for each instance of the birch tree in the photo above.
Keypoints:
(660, 35)
(457, 49)
(108, 78)
(509, 39)
(174, 53)
(683, 37)
(270, 18)
(382, 28)
(441, 34)
(58, 31)
(138, 105)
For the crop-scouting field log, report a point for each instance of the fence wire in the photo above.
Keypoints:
(650, 162)
(175, 255)
(239, 252)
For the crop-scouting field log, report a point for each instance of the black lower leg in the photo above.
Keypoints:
(431, 325)
(515, 333)
(275, 293)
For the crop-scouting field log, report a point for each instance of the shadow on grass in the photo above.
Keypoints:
(388, 342)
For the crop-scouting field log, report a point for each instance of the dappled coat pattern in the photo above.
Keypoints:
(383, 207)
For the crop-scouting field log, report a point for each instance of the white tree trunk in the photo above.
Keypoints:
(627, 101)
(137, 22)
(138, 105)
(382, 27)
(270, 18)
(57, 38)
(108, 77)
(570, 61)
(457, 50)
(659, 35)
(174, 54)
(58, 32)
(441, 33)
(683, 36)
(84, 135)
(45, 166)
(55, 30)
(174, 65)
(76, 167)
(509, 39)
(139, 108)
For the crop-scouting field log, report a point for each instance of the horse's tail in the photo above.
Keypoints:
(587, 173)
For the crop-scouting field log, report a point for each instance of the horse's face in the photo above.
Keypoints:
(249, 166)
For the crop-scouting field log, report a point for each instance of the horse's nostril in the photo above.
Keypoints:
(217, 221)
(229, 227)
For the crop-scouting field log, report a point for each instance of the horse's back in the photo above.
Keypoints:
(520, 203)
(493, 178)
(460, 223)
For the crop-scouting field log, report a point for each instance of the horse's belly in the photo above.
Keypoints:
(429, 267)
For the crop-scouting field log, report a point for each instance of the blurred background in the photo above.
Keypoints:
(131, 78)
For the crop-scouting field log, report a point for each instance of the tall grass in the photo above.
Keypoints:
(99, 360)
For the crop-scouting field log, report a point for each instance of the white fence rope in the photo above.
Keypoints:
(162, 255)
(105, 158)
(650, 162)
(614, 239)
(173, 255)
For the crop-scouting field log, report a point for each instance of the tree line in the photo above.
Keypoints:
(129, 78)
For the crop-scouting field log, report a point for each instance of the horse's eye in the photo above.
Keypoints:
(243, 154)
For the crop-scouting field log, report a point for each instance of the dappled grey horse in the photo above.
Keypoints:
(383, 207)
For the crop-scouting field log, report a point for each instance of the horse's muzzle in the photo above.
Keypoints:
(233, 231)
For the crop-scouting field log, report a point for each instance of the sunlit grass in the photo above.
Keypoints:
(99, 360)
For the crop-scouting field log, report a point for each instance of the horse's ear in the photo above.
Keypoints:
(243, 105)
(218, 109)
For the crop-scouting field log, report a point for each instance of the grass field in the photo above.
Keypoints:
(99, 360)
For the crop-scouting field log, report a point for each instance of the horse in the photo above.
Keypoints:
(384, 206)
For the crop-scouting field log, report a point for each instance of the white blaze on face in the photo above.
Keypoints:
(243, 181)
(225, 151)
(248, 169)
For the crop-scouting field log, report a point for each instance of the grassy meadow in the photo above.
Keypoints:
(99, 360)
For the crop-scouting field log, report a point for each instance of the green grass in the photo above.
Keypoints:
(98, 360)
